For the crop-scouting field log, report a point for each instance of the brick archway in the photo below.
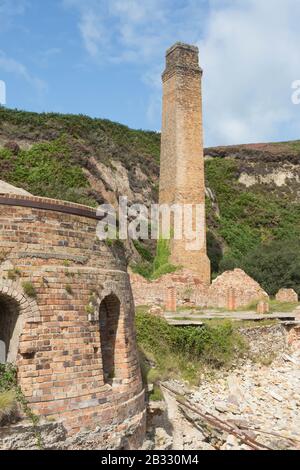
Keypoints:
(113, 320)
(111, 334)
(28, 307)
(15, 311)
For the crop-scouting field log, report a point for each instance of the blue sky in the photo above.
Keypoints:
(104, 58)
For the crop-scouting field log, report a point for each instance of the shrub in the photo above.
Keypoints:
(161, 263)
(275, 265)
(7, 402)
(180, 351)
(29, 289)
(11, 393)
(214, 251)
(249, 217)
(143, 251)
(8, 377)
(143, 269)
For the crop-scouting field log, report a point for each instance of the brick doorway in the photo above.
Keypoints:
(9, 325)
(109, 318)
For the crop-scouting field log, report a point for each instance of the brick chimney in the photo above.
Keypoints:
(182, 160)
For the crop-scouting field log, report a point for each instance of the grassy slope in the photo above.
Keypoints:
(250, 216)
(57, 147)
(61, 145)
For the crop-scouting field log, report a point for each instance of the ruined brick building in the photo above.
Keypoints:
(67, 318)
(66, 303)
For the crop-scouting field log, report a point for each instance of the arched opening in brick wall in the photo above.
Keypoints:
(9, 328)
(111, 337)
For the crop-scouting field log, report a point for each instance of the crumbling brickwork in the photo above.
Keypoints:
(287, 295)
(231, 290)
(66, 370)
(182, 162)
(245, 290)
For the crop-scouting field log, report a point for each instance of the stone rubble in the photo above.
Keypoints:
(263, 402)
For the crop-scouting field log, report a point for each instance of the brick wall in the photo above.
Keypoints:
(287, 295)
(182, 161)
(58, 353)
(231, 290)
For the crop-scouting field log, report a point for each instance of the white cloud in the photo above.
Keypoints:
(10, 65)
(249, 50)
(250, 54)
(123, 30)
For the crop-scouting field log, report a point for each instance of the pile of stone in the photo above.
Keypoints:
(260, 402)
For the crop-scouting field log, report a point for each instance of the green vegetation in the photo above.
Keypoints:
(29, 289)
(7, 402)
(282, 306)
(49, 126)
(46, 170)
(183, 351)
(8, 396)
(11, 395)
(59, 147)
(160, 264)
(259, 229)
(144, 252)
(275, 265)
(59, 156)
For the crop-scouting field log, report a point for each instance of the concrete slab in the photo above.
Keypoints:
(192, 319)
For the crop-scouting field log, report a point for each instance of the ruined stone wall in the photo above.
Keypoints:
(287, 295)
(58, 350)
(190, 290)
(244, 289)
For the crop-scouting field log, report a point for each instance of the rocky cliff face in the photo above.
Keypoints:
(253, 191)
(273, 166)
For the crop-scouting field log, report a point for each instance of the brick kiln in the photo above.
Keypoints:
(67, 317)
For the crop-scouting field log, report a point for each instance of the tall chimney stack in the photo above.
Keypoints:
(182, 159)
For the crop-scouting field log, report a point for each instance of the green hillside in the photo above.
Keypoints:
(255, 226)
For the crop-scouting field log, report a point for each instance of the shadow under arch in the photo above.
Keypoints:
(112, 339)
(11, 323)
(16, 309)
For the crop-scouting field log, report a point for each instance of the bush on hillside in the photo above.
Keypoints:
(275, 266)
(180, 351)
